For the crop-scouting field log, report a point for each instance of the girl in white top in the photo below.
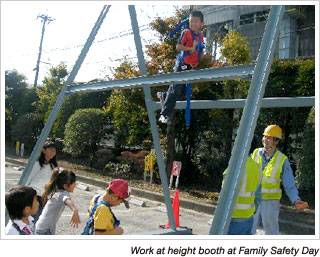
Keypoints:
(57, 196)
(42, 171)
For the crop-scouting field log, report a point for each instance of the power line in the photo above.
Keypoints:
(112, 37)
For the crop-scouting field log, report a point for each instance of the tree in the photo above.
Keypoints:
(214, 141)
(27, 129)
(163, 56)
(128, 111)
(8, 125)
(235, 51)
(75, 102)
(84, 131)
(305, 174)
(19, 98)
(288, 78)
(235, 48)
(51, 88)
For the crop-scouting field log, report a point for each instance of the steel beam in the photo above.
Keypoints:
(192, 76)
(269, 102)
(152, 118)
(248, 122)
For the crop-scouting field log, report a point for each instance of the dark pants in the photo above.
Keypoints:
(173, 94)
(241, 227)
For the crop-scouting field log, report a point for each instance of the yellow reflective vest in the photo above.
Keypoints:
(244, 206)
(271, 174)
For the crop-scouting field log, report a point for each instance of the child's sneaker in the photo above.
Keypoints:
(165, 119)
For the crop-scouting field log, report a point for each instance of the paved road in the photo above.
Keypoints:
(137, 219)
(134, 220)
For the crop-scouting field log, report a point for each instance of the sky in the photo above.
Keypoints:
(65, 36)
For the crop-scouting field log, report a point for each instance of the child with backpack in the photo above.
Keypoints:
(102, 220)
(190, 45)
(56, 196)
(21, 203)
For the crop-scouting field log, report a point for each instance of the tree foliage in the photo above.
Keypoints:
(162, 59)
(49, 92)
(288, 78)
(84, 130)
(213, 144)
(128, 111)
(52, 85)
(19, 98)
(305, 174)
(235, 48)
(76, 102)
(8, 122)
(27, 129)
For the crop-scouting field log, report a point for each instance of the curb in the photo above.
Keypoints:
(184, 203)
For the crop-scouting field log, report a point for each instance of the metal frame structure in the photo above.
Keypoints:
(248, 122)
(252, 105)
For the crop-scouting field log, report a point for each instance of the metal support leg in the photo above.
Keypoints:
(240, 151)
(61, 98)
(152, 118)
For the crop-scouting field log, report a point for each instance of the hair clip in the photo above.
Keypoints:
(61, 169)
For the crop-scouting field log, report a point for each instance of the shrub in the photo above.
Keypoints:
(305, 173)
(118, 170)
(83, 132)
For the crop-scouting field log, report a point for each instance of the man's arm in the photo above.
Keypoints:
(289, 183)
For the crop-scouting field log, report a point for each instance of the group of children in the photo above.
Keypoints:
(37, 207)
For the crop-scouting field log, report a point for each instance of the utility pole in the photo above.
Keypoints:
(45, 18)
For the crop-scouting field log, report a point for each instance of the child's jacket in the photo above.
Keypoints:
(187, 39)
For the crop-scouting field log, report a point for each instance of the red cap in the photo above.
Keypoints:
(121, 188)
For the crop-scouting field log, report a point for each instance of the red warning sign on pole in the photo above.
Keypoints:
(176, 167)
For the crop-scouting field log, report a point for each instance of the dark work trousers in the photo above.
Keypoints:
(174, 93)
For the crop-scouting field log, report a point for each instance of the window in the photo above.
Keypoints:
(254, 17)
(246, 18)
(262, 16)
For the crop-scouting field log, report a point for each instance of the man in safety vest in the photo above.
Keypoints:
(276, 169)
(245, 206)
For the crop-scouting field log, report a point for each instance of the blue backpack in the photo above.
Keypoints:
(89, 228)
(183, 54)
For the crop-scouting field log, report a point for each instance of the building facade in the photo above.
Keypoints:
(296, 36)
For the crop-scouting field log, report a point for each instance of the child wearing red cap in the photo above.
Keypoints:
(105, 223)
